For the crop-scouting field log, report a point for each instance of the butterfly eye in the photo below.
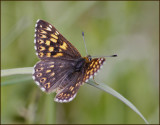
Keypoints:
(89, 57)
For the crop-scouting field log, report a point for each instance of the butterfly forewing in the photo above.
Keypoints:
(49, 43)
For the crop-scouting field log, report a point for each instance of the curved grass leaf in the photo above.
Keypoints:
(16, 71)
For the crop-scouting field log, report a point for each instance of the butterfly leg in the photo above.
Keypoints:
(95, 81)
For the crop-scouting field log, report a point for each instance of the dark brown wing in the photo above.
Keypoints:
(49, 43)
(52, 75)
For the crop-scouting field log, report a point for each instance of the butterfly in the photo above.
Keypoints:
(61, 68)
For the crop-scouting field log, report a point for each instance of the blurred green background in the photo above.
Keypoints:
(128, 29)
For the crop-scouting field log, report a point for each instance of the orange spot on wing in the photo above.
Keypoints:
(41, 54)
(48, 28)
(48, 42)
(51, 49)
(63, 46)
(42, 31)
(48, 54)
(52, 74)
(38, 75)
(43, 79)
(39, 69)
(43, 36)
(77, 84)
(97, 66)
(51, 66)
(58, 55)
(41, 48)
(54, 36)
(53, 40)
(48, 71)
(47, 85)
(71, 88)
(40, 41)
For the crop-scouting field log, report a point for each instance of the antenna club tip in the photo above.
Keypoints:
(114, 55)
(82, 33)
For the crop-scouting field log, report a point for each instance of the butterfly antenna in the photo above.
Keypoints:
(84, 43)
(106, 56)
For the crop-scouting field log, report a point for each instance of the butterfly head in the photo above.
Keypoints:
(88, 58)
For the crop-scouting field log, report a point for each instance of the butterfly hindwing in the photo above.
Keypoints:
(69, 92)
(51, 74)
(49, 43)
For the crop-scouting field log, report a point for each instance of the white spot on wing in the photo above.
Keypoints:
(36, 25)
(33, 77)
(57, 32)
(34, 40)
(38, 20)
(90, 77)
(34, 66)
(86, 80)
(72, 98)
(64, 101)
(51, 62)
(43, 89)
(55, 99)
(35, 47)
(37, 83)
(50, 26)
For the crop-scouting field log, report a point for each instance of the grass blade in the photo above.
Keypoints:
(16, 71)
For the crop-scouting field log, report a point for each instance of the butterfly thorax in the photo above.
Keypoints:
(80, 64)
